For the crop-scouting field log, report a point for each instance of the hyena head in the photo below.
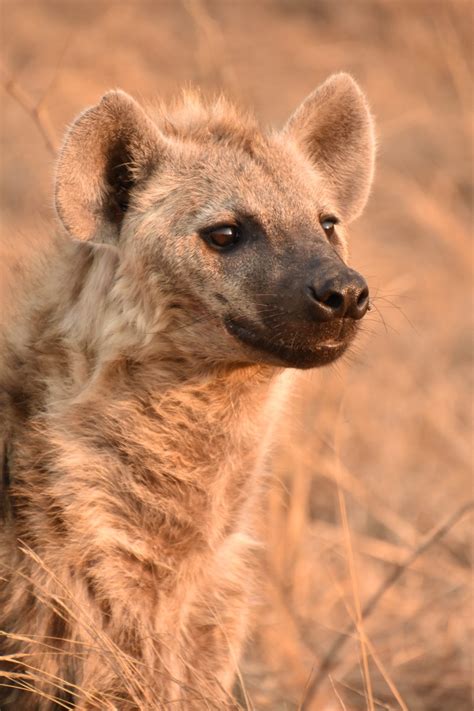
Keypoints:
(243, 231)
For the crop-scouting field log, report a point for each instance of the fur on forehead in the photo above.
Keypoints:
(216, 120)
(114, 147)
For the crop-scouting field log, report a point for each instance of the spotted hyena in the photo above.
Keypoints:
(200, 258)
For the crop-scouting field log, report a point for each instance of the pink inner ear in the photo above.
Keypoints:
(334, 129)
(107, 151)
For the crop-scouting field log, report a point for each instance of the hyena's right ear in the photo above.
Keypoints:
(109, 150)
(335, 129)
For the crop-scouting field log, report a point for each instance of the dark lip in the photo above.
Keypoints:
(282, 354)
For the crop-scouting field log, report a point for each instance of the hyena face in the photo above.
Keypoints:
(245, 230)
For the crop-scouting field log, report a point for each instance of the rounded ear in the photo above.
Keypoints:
(110, 149)
(335, 129)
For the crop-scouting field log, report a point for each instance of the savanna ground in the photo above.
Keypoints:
(373, 454)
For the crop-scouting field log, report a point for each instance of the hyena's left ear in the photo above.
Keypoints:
(109, 151)
(334, 128)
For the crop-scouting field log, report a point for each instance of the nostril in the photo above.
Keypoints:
(344, 294)
(330, 302)
(363, 298)
(334, 300)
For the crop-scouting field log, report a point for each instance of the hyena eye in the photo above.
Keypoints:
(328, 223)
(222, 237)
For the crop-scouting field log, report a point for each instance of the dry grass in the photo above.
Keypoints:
(373, 467)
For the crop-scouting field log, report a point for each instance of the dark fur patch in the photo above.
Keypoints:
(5, 469)
(5, 509)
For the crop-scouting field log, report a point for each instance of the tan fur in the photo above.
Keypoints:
(133, 424)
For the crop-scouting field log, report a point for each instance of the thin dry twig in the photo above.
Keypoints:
(434, 536)
(386, 676)
(356, 599)
(337, 694)
(373, 653)
(36, 110)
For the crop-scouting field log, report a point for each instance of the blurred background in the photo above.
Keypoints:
(365, 597)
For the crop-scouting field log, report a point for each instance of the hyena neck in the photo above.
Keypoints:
(139, 410)
(189, 458)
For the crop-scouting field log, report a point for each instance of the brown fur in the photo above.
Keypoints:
(133, 423)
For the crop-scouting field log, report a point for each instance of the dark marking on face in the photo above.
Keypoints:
(276, 278)
(297, 349)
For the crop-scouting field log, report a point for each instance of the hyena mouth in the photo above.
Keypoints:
(278, 351)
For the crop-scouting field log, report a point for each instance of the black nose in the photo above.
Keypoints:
(344, 295)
